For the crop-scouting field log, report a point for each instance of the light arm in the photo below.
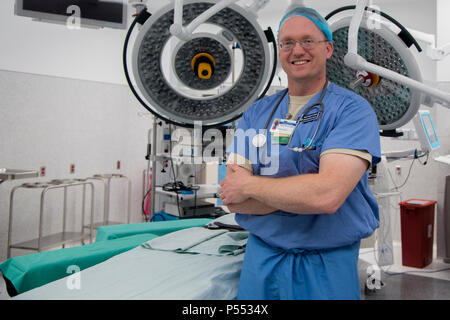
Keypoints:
(353, 60)
(185, 33)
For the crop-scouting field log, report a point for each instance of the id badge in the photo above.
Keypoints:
(282, 130)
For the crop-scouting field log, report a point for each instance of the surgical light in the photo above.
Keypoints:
(395, 104)
(182, 72)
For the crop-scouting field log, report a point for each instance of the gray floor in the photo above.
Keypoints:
(405, 287)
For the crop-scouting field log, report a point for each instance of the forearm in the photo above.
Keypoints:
(315, 193)
(303, 194)
(251, 206)
(244, 193)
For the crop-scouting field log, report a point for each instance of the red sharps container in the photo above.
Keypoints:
(417, 228)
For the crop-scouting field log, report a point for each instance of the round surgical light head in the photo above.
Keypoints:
(195, 85)
(393, 103)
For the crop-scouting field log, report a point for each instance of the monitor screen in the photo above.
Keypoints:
(429, 128)
(104, 13)
(426, 132)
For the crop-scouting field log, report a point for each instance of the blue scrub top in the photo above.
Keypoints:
(348, 122)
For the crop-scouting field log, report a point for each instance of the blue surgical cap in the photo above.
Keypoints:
(312, 15)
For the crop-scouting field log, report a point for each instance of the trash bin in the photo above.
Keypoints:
(417, 228)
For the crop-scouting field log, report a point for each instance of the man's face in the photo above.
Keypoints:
(298, 63)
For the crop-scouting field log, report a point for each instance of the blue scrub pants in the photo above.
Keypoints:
(270, 273)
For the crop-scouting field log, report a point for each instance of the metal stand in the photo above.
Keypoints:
(106, 179)
(13, 174)
(46, 242)
(153, 159)
(194, 144)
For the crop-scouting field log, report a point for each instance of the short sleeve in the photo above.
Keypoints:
(234, 158)
(356, 128)
(358, 153)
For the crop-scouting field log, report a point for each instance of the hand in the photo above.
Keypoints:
(232, 188)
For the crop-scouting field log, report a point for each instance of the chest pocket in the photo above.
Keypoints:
(288, 163)
(279, 162)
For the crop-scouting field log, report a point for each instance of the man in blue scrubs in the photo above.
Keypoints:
(300, 187)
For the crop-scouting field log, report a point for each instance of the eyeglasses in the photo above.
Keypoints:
(306, 44)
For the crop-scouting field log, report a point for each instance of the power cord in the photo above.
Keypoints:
(178, 186)
(143, 204)
(415, 157)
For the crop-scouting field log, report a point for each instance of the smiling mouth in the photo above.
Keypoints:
(299, 63)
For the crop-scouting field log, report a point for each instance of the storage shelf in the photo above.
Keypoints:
(13, 174)
(44, 242)
(51, 240)
(205, 191)
(187, 159)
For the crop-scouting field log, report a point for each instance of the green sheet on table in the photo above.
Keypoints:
(159, 228)
(34, 270)
(143, 274)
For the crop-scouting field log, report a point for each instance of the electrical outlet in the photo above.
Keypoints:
(72, 168)
(42, 170)
(118, 165)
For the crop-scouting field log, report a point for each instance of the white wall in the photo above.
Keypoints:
(443, 38)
